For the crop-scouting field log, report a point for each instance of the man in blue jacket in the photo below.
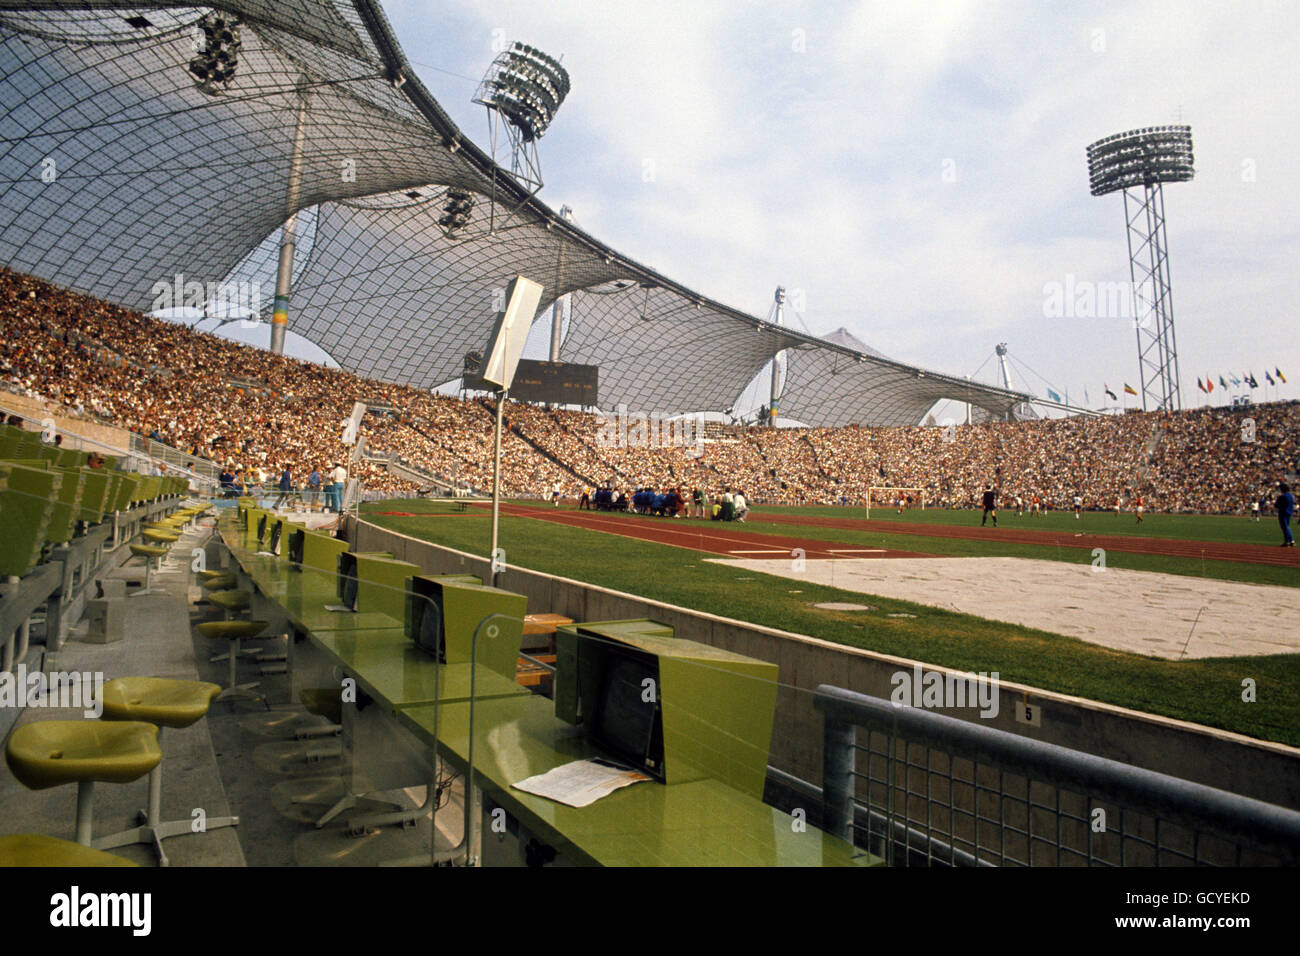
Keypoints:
(1285, 505)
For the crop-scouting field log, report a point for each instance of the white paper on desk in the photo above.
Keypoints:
(580, 783)
(339, 608)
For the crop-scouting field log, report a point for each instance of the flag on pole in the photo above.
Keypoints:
(1129, 389)
(1209, 385)
(1278, 372)
(1086, 399)
(1053, 395)
(1113, 397)
(1269, 377)
(1235, 381)
(1199, 385)
(1252, 381)
(1222, 383)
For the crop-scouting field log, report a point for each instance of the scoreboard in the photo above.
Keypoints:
(558, 383)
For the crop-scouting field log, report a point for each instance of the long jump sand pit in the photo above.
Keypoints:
(1142, 612)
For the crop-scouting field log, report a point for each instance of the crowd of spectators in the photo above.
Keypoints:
(260, 416)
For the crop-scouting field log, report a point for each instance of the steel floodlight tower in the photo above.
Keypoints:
(522, 91)
(1145, 159)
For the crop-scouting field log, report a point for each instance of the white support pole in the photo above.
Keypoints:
(496, 484)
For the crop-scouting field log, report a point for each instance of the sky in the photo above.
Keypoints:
(916, 173)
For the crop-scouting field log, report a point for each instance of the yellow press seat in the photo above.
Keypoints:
(50, 753)
(234, 631)
(220, 581)
(151, 553)
(37, 849)
(324, 702)
(158, 700)
(232, 600)
(155, 534)
(167, 703)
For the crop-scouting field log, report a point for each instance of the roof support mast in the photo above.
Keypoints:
(289, 232)
(776, 359)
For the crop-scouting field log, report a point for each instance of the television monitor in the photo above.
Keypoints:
(444, 611)
(261, 530)
(277, 530)
(627, 723)
(297, 539)
(347, 580)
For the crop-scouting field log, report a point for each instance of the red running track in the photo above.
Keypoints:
(698, 534)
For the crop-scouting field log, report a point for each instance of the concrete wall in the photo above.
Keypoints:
(1265, 771)
(36, 411)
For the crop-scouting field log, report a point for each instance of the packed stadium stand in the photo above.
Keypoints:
(244, 407)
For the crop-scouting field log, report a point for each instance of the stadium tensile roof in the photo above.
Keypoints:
(121, 171)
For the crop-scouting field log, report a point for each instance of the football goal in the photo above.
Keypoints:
(892, 497)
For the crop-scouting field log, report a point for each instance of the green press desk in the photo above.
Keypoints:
(517, 735)
(389, 668)
(697, 823)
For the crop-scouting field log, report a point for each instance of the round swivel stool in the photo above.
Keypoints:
(167, 703)
(231, 601)
(151, 553)
(159, 536)
(218, 580)
(36, 849)
(50, 753)
(235, 631)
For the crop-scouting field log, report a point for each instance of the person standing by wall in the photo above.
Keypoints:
(339, 477)
(286, 488)
(313, 487)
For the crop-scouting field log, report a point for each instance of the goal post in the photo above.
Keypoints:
(888, 497)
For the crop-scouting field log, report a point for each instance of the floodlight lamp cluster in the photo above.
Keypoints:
(456, 210)
(526, 87)
(1140, 157)
(218, 59)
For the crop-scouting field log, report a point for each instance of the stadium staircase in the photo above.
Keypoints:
(515, 430)
(424, 478)
(812, 450)
(518, 433)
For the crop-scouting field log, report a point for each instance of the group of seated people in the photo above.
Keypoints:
(668, 503)
(606, 499)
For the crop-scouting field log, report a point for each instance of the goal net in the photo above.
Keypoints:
(893, 497)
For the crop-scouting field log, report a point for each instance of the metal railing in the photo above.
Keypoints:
(923, 789)
(174, 458)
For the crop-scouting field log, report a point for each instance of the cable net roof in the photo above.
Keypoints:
(121, 172)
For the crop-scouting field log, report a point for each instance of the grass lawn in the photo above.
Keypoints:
(1203, 691)
(960, 548)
